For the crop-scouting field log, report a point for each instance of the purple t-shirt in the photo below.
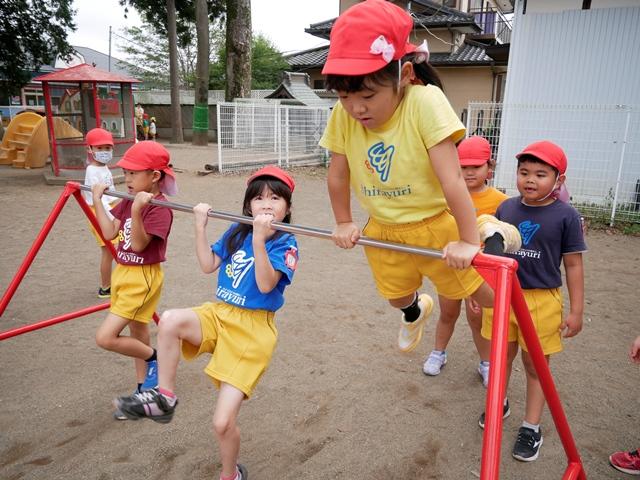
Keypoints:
(547, 233)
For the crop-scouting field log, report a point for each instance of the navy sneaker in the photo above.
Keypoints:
(151, 379)
(527, 446)
(104, 292)
(506, 411)
(148, 404)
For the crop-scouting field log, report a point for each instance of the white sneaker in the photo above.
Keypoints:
(434, 363)
(411, 332)
(483, 371)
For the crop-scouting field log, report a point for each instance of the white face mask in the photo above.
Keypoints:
(103, 156)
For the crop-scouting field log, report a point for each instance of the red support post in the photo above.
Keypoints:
(52, 321)
(33, 251)
(546, 380)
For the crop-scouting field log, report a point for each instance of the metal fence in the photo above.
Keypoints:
(257, 134)
(602, 143)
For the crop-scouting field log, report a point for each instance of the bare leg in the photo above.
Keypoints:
(175, 325)
(483, 296)
(449, 312)
(226, 428)
(535, 395)
(105, 267)
(475, 324)
(140, 331)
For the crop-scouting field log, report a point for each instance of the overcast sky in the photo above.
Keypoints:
(285, 30)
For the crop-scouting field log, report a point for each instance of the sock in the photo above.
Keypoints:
(153, 357)
(535, 428)
(170, 396)
(484, 363)
(235, 476)
(411, 312)
(139, 388)
(506, 400)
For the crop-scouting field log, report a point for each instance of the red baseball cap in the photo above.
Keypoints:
(149, 155)
(275, 172)
(99, 136)
(548, 152)
(474, 151)
(366, 37)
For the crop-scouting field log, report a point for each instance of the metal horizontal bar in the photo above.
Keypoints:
(285, 227)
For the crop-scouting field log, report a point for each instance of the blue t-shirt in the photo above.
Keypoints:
(547, 233)
(236, 277)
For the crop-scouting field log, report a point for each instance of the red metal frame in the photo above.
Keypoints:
(498, 272)
(71, 188)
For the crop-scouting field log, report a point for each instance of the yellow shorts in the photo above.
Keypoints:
(95, 234)
(135, 291)
(399, 274)
(241, 343)
(545, 307)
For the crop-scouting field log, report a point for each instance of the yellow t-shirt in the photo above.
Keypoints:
(487, 201)
(390, 169)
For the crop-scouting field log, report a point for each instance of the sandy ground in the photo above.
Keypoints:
(339, 401)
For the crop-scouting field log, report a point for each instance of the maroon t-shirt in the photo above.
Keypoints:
(157, 223)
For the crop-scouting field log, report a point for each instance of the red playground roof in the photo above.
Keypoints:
(85, 73)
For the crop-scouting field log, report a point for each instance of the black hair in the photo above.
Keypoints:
(532, 159)
(240, 231)
(354, 83)
(424, 71)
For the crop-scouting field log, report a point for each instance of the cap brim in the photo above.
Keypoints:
(350, 66)
(473, 162)
(129, 164)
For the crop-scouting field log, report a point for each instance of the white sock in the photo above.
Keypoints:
(535, 428)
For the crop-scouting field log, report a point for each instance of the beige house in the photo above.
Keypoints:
(468, 40)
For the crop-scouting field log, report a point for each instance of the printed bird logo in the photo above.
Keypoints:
(380, 159)
(527, 230)
(240, 265)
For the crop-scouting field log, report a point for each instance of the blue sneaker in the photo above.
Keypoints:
(151, 379)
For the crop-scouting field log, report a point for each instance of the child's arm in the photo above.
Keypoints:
(346, 232)
(445, 165)
(209, 261)
(140, 239)
(635, 350)
(267, 277)
(109, 226)
(575, 285)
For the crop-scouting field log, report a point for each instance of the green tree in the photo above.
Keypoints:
(32, 33)
(267, 64)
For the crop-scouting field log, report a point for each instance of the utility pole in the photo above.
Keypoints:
(109, 47)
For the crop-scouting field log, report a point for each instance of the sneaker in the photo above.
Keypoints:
(119, 415)
(627, 462)
(527, 446)
(150, 404)
(506, 411)
(244, 475)
(104, 292)
(434, 363)
(411, 332)
(483, 371)
(151, 379)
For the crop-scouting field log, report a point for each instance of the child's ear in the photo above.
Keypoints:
(407, 75)
(490, 174)
(561, 179)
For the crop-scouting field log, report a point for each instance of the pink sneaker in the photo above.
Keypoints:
(627, 462)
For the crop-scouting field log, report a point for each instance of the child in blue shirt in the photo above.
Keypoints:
(256, 263)
(551, 233)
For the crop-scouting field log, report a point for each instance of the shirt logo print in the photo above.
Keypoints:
(380, 159)
(239, 267)
(527, 230)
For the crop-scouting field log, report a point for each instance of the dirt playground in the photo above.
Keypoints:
(339, 400)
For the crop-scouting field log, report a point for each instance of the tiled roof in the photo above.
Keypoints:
(468, 54)
(432, 16)
(296, 86)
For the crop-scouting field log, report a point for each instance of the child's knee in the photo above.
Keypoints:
(105, 340)
(223, 424)
(170, 322)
